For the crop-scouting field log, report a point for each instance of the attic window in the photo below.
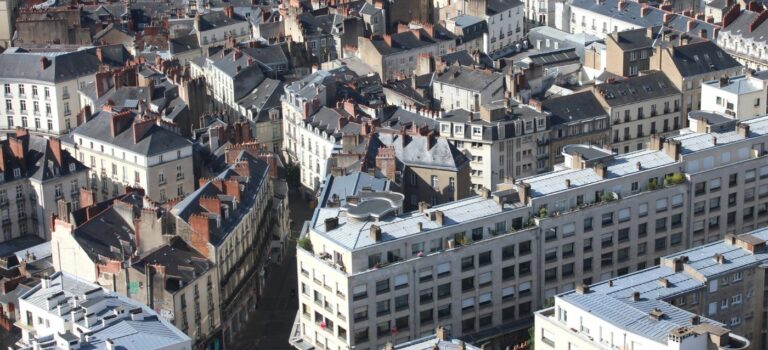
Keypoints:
(16, 172)
(71, 167)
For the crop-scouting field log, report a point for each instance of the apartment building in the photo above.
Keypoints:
(40, 90)
(575, 119)
(110, 321)
(229, 76)
(459, 87)
(138, 261)
(34, 174)
(214, 28)
(639, 107)
(124, 149)
(689, 65)
(712, 288)
(600, 18)
(503, 141)
(506, 24)
(629, 51)
(396, 55)
(229, 221)
(740, 97)
(743, 33)
(599, 216)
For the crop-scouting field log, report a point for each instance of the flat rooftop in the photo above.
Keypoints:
(737, 85)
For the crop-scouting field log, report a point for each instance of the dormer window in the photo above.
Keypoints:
(16, 172)
(71, 167)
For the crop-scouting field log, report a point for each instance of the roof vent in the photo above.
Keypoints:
(567, 183)
(695, 320)
(656, 314)
(719, 258)
(375, 233)
(635, 296)
(331, 223)
(664, 282)
(610, 283)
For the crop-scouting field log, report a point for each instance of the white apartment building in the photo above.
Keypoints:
(229, 76)
(40, 90)
(65, 312)
(743, 37)
(741, 97)
(468, 88)
(216, 27)
(695, 299)
(479, 262)
(506, 24)
(502, 142)
(124, 150)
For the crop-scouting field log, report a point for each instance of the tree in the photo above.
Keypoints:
(292, 174)
(305, 243)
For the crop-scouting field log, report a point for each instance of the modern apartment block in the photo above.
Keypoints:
(65, 312)
(639, 107)
(741, 97)
(698, 298)
(481, 262)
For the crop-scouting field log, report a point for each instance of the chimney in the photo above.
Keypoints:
(645, 10)
(600, 170)
(229, 11)
(140, 128)
(211, 204)
(672, 149)
(567, 183)
(331, 223)
(664, 282)
(695, 320)
(388, 39)
(582, 288)
(743, 130)
(691, 24)
(635, 296)
(485, 193)
(441, 333)
(375, 233)
(668, 17)
(100, 54)
(524, 192)
(55, 144)
(420, 226)
(110, 344)
(679, 264)
(703, 33)
(621, 5)
(44, 63)
(638, 166)
(423, 206)
(439, 217)
(87, 197)
(656, 314)
(655, 144)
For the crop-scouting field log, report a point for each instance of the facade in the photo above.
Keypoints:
(575, 119)
(371, 267)
(229, 221)
(605, 17)
(123, 150)
(466, 87)
(36, 173)
(502, 142)
(629, 51)
(742, 36)
(110, 321)
(506, 25)
(740, 97)
(41, 90)
(229, 76)
(396, 55)
(263, 109)
(715, 287)
(688, 66)
(639, 107)
(216, 27)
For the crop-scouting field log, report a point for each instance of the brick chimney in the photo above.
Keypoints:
(385, 161)
(645, 10)
(211, 204)
(55, 144)
(349, 107)
(100, 54)
(201, 232)
(87, 197)
(229, 11)
(388, 39)
(691, 24)
(120, 122)
(759, 20)
(232, 188)
(140, 128)
(44, 63)
(18, 147)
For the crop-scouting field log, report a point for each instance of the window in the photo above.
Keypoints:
(607, 219)
(401, 281)
(484, 259)
(714, 204)
(467, 263)
(508, 252)
(444, 291)
(444, 311)
(382, 308)
(661, 243)
(714, 185)
(661, 205)
(468, 283)
(588, 224)
(425, 296)
(434, 182)
(642, 210)
(382, 286)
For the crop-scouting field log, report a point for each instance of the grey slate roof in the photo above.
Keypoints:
(267, 55)
(265, 96)
(635, 89)
(62, 66)
(350, 185)
(218, 19)
(468, 78)
(182, 263)
(493, 7)
(414, 151)
(574, 107)
(700, 58)
(184, 43)
(157, 140)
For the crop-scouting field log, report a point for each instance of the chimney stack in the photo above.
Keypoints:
(375, 233)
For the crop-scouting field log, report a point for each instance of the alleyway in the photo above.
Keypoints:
(269, 327)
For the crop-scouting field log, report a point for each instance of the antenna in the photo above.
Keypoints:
(661, 28)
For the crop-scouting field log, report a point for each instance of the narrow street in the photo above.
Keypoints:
(269, 326)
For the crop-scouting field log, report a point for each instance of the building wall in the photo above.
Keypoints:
(505, 29)
(418, 183)
(7, 19)
(631, 132)
(457, 97)
(742, 106)
(585, 21)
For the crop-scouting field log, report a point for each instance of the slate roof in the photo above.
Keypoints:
(182, 263)
(39, 162)
(654, 17)
(740, 27)
(257, 176)
(407, 40)
(701, 58)
(350, 185)
(155, 141)
(267, 55)
(633, 39)
(574, 107)
(218, 19)
(265, 96)
(184, 43)
(634, 89)
(414, 151)
(63, 66)
(468, 78)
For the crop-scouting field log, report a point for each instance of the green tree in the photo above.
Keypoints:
(305, 243)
